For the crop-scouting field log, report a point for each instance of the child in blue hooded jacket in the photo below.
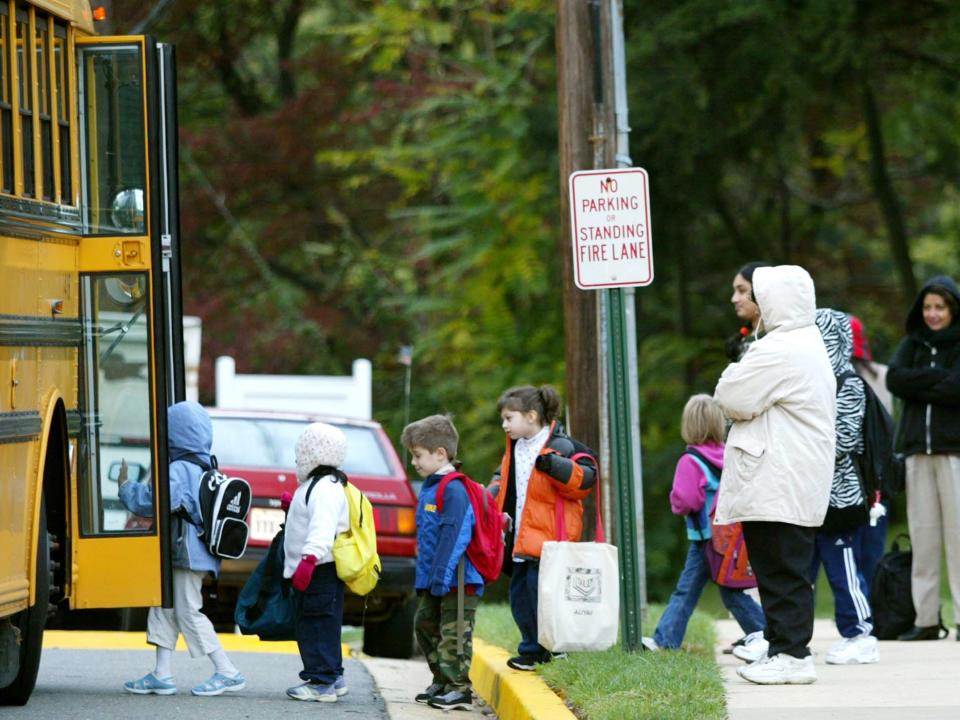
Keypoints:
(442, 539)
(190, 434)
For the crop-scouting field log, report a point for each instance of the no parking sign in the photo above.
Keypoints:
(610, 219)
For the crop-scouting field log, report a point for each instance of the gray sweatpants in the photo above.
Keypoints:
(164, 625)
(933, 514)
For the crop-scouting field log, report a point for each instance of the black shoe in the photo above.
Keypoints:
(524, 662)
(431, 692)
(453, 700)
(921, 633)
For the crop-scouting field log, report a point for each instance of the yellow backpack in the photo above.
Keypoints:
(355, 551)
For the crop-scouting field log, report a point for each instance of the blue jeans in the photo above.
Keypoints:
(523, 605)
(673, 623)
(319, 621)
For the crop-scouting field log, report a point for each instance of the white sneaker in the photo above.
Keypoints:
(780, 669)
(859, 650)
(753, 647)
(649, 644)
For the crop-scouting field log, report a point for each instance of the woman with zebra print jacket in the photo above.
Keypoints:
(837, 543)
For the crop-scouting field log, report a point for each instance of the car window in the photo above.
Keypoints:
(262, 442)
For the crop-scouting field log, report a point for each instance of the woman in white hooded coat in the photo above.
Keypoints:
(778, 463)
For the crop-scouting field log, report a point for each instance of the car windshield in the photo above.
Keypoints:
(264, 442)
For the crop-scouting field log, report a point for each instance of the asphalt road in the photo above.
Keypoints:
(88, 685)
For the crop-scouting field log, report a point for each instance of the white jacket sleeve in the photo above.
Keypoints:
(752, 386)
(323, 511)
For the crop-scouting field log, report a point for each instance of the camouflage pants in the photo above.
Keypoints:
(436, 628)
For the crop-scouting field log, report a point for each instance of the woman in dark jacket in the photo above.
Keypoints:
(925, 374)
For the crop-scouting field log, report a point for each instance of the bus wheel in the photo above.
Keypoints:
(30, 623)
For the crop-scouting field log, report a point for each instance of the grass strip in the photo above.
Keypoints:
(612, 685)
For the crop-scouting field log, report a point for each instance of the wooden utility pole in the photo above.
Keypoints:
(576, 87)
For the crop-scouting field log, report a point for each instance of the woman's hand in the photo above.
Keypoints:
(122, 475)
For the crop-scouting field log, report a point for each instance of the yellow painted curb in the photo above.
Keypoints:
(106, 640)
(514, 695)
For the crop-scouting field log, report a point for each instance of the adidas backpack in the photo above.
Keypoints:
(355, 550)
(485, 550)
(224, 504)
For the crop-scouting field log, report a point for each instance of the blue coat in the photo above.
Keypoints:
(443, 537)
(189, 433)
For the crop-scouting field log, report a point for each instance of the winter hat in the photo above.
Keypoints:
(319, 444)
(861, 346)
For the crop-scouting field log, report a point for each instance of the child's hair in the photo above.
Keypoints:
(524, 398)
(432, 433)
(702, 421)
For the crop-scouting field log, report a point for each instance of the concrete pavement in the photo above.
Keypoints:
(913, 680)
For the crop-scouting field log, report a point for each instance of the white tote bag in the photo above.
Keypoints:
(578, 597)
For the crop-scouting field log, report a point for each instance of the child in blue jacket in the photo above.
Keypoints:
(442, 539)
(190, 433)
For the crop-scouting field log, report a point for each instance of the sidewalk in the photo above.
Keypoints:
(913, 680)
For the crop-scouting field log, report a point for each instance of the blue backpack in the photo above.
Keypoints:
(265, 605)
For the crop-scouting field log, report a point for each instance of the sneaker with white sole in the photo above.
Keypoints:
(340, 686)
(752, 648)
(859, 650)
(649, 643)
(312, 692)
(780, 669)
(150, 684)
(218, 684)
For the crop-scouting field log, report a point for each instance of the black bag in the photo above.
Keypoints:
(265, 606)
(893, 611)
(224, 505)
(880, 467)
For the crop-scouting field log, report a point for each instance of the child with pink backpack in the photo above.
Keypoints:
(695, 486)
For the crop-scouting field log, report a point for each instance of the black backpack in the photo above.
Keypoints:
(893, 611)
(224, 505)
(879, 466)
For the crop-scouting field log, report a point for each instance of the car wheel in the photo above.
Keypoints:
(392, 637)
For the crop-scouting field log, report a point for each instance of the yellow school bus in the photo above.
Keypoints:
(90, 319)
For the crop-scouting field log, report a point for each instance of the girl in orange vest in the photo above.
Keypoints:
(543, 473)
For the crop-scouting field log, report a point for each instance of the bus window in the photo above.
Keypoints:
(113, 132)
(24, 67)
(62, 104)
(115, 399)
(6, 106)
(42, 52)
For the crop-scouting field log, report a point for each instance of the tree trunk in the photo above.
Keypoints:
(887, 195)
(575, 85)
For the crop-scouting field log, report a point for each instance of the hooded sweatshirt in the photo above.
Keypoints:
(847, 501)
(779, 456)
(695, 489)
(925, 373)
(189, 432)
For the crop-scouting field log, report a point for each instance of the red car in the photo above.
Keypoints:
(259, 447)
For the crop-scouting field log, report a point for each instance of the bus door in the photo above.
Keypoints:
(131, 357)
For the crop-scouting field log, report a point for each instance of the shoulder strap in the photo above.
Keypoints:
(444, 481)
(560, 519)
(198, 461)
(703, 458)
(844, 376)
(313, 481)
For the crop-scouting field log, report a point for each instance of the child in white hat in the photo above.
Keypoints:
(318, 512)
